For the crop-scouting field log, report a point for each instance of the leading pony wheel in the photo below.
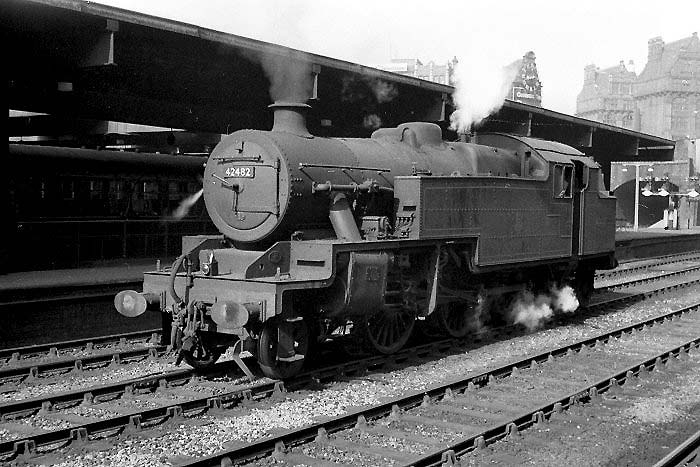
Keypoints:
(270, 365)
(202, 356)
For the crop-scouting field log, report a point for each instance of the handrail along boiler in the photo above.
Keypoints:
(371, 235)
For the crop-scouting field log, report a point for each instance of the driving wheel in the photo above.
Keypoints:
(389, 328)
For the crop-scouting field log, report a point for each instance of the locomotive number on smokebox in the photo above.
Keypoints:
(240, 172)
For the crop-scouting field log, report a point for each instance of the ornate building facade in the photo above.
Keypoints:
(607, 95)
(663, 100)
(667, 93)
(527, 87)
(435, 72)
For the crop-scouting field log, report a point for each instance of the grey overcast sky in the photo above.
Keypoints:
(565, 35)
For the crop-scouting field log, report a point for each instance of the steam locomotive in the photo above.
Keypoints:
(371, 236)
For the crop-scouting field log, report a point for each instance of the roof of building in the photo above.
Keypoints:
(670, 54)
(618, 69)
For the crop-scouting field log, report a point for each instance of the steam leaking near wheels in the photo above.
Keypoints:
(531, 310)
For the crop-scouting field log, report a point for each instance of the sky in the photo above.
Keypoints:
(565, 35)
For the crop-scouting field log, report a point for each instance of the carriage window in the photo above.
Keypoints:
(68, 190)
(174, 191)
(562, 181)
(96, 189)
(150, 190)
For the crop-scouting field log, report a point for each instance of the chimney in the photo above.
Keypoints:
(290, 117)
(589, 74)
(656, 48)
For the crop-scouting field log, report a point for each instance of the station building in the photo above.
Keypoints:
(667, 94)
(607, 95)
(663, 100)
(93, 84)
(441, 73)
(526, 87)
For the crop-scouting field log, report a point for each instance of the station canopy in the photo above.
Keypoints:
(75, 65)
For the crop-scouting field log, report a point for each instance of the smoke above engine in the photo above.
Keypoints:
(481, 86)
(290, 80)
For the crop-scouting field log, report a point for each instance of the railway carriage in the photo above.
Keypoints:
(372, 236)
(71, 207)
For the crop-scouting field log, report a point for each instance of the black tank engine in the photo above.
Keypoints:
(367, 237)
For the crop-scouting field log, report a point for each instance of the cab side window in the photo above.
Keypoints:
(562, 181)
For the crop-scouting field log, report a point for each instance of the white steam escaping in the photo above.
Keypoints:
(372, 121)
(290, 80)
(530, 309)
(481, 86)
(565, 299)
(186, 204)
(383, 90)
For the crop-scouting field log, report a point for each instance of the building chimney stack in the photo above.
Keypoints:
(656, 48)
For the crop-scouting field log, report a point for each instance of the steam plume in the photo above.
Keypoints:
(565, 299)
(383, 90)
(290, 80)
(372, 121)
(481, 86)
(531, 310)
(186, 204)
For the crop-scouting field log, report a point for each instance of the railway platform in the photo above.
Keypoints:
(646, 243)
(44, 306)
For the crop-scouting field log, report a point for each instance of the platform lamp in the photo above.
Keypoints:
(693, 182)
(636, 166)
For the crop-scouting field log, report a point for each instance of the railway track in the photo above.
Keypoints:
(652, 278)
(35, 370)
(650, 263)
(18, 373)
(686, 454)
(477, 410)
(129, 421)
(77, 355)
(30, 361)
(33, 361)
(16, 355)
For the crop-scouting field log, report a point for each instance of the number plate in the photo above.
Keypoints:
(240, 172)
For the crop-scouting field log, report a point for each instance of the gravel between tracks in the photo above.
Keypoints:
(644, 274)
(210, 433)
(79, 352)
(627, 429)
(73, 381)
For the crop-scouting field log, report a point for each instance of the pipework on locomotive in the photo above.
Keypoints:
(370, 236)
